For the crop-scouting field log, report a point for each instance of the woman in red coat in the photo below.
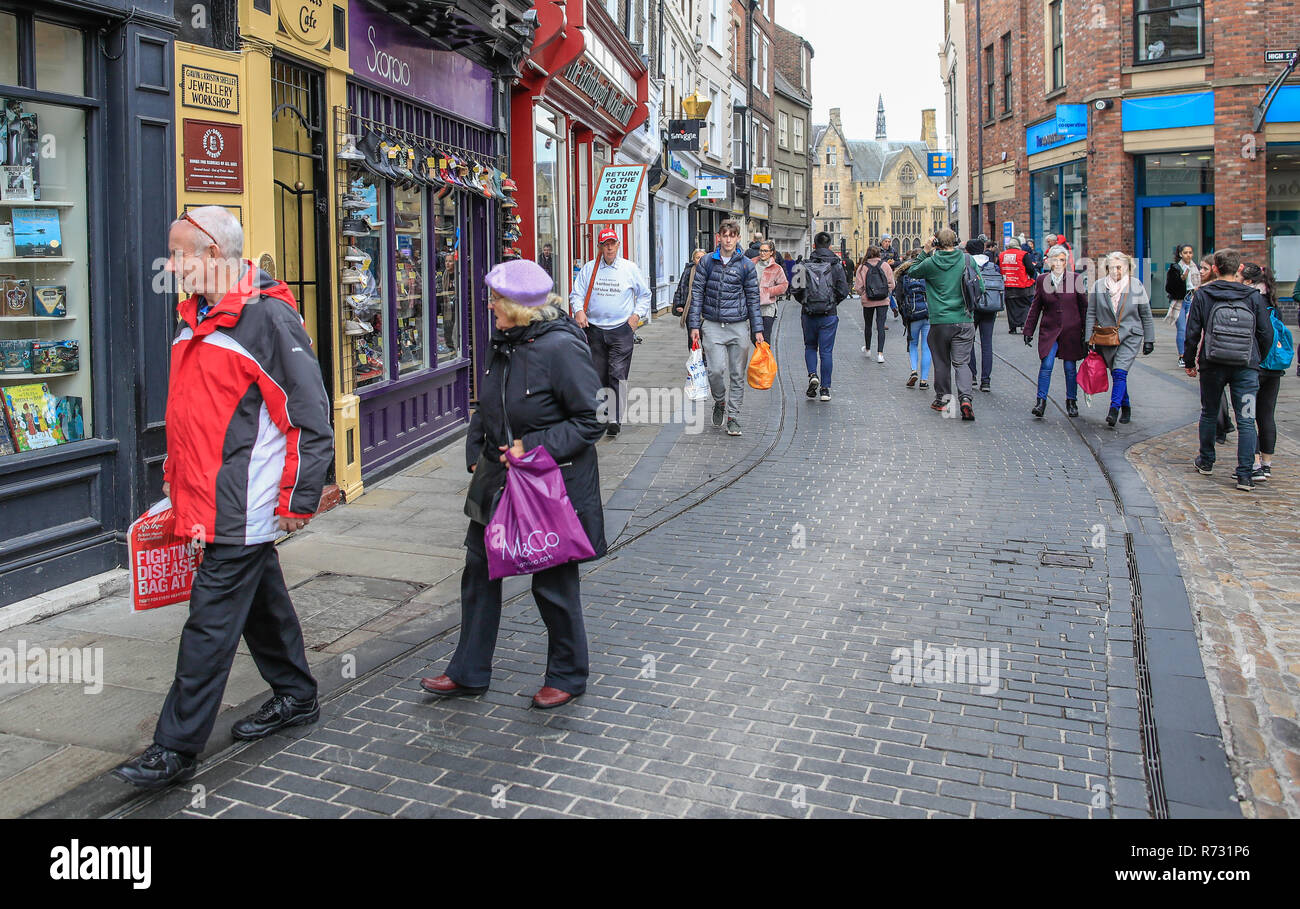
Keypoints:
(1062, 308)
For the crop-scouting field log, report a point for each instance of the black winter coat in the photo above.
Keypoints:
(551, 396)
(725, 293)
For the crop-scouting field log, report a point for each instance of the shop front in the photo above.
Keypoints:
(584, 90)
(426, 207)
(86, 96)
(1282, 197)
(1058, 182)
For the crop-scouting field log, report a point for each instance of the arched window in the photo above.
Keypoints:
(907, 246)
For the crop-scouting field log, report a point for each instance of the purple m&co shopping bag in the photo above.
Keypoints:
(534, 526)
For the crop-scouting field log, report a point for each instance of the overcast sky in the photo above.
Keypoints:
(866, 48)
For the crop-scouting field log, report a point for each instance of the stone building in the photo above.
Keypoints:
(865, 189)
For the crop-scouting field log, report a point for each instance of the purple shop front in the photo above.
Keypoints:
(401, 82)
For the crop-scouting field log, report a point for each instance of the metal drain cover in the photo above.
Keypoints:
(1065, 560)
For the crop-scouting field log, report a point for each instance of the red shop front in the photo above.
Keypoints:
(583, 90)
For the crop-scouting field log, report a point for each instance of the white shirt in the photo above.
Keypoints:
(620, 291)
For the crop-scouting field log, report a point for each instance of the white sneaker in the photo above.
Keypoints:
(880, 358)
(865, 351)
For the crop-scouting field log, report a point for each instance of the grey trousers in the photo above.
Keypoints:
(951, 346)
(726, 348)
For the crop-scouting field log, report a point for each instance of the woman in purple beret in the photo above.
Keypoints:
(540, 388)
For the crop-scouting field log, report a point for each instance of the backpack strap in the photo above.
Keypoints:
(591, 285)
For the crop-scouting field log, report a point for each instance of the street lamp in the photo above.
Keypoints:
(857, 251)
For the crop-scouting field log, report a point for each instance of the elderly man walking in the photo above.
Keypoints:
(610, 298)
(248, 443)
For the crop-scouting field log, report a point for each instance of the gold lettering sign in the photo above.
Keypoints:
(305, 20)
(209, 90)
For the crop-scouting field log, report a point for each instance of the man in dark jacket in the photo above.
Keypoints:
(724, 311)
(819, 318)
(755, 247)
(248, 442)
(1242, 379)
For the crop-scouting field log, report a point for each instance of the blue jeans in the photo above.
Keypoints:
(1242, 381)
(819, 342)
(1045, 375)
(1119, 388)
(918, 337)
(1181, 322)
(984, 327)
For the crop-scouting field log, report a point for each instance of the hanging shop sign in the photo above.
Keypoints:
(712, 187)
(306, 20)
(587, 78)
(209, 89)
(214, 156)
(676, 166)
(762, 176)
(684, 135)
(617, 192)
(383, 52)
(938, 164)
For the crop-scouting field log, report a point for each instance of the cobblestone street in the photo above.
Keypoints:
(748, 634)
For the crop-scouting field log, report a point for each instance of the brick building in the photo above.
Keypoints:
(1128, 125)
(753, 68)
(791, 211)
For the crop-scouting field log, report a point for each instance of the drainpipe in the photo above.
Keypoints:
(979, 116)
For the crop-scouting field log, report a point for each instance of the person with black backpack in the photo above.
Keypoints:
(874, 283)
(820, 286)
(914, 306)
(1228, 332)
(986, 310)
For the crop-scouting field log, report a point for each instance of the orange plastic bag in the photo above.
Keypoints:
(762, 367)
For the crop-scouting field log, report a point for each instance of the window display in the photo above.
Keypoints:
(44, 291)
(447, 243)
(408, 262)
(362, 273)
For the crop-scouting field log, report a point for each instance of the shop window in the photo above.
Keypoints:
(546, 155)
(450, 307)
(1006, 72)
(1176, 174)
(1056, 19)
(1283, 215)
(1168, 30)
(409, 279)
(1058, 204)
(45, 304)
(365, 300)
(60, 59)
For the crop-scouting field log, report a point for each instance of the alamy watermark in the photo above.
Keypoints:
(652, 406)
(53, 665)
(925, 664)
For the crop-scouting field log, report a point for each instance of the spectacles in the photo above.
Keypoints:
(185, 216)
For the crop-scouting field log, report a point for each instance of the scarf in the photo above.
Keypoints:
(1117, 290)
(1057, 281)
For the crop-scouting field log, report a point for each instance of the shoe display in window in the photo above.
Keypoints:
(348, 149)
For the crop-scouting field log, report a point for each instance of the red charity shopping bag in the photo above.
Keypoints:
(162, 563)
(1093, 377)
(534, 527)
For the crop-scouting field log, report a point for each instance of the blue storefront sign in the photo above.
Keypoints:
(938, 164)
(1056, 132)
(1008, 231)
(1286, 105)
(1167, 111)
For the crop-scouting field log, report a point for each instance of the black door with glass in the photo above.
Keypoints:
(301, 200)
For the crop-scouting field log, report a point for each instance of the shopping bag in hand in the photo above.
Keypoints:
(534, 526)
(1093, 377)
(762, 367)
(163, 562)
(697, 377)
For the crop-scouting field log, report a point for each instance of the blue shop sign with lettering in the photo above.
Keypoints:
(1053, 133)
(938, 164)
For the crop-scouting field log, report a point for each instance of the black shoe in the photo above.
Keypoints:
(826, 393)
(967, 410)
(1071, 407)
(1039, 408)
(719, 411)
(157, 767)
(1125, 413)
(1112, 416)
(813, 384)
(1222, 440)
(911, 380)
(1268, 471)
(733, 426)
(611, 430)
(1202, 467)
(277, 713)
(1259, 475)
(984, 386)
(1244, 482)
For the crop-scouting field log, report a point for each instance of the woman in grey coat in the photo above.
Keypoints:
(1120, 299)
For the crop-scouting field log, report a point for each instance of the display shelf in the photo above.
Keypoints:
(14, 203)
(44, 260)
(4, 319)
(6, 377)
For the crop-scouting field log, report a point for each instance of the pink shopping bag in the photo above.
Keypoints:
(1093, 377)
(534, 526)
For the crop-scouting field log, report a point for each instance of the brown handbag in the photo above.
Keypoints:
(1108, 335)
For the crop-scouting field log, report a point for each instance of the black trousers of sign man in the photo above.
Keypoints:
(558, 600)
(1019, 300)
(611, 353)
(238, 591)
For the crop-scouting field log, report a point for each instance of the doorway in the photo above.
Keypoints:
(1163, 225)
(301, 201)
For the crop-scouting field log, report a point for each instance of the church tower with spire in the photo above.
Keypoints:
(880, 119)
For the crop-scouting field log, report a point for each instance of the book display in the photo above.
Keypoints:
(45, 311)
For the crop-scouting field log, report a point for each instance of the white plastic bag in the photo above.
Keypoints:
(697, 381)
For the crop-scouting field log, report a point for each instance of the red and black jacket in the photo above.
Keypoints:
(248, 419)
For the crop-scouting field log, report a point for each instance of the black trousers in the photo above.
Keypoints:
(611, 353)
(880, 315)
(1019, 300)
(558, 600)
(984, 328)
(238, 591)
